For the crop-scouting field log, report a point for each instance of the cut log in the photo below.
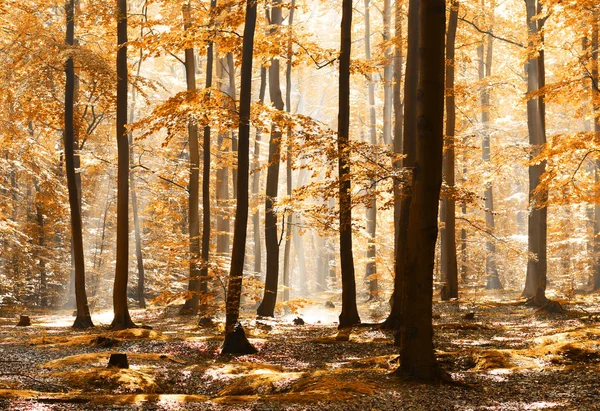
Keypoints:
(118, 360)
(24, 321)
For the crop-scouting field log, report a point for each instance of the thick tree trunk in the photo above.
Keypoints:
(349, 315)
(535, 284)
(409, 150)
(448, 212)
(388, 69)
(235, 339)
(192, 302)
(267, 306)
(83, 319)
(371, 213)
(122, 318)
(417, 358)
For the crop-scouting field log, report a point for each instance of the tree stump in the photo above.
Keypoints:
(236, 342)
(118, 360)
(298, 321)
(24, 321)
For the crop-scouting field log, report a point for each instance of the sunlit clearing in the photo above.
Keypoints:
(315, 314)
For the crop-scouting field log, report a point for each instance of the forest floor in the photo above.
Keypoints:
(502, 354)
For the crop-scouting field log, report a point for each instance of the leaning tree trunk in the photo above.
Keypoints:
(83, 319)
(267, 306)
(349, 315)
(408, 163)
(122, 318)
(417, 357)
(535, 284)
(192, 301)
(371, 213)
(448, 212)
(235, 338)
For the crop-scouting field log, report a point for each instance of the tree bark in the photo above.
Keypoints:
(256, 179)
(371, 212)
(349, 315)
(222, 189)
(122, 318)
(267, 306)
(535, 284)
(485, 70)
(596, 111)
(206, 160)
(408, 163)
(449, 265)
(235, 339)
(83, 319)
(417, 358)
(288, 179)
(192, 302)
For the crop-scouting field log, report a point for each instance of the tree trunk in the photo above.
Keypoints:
(408, 163)
(371, 213)
(349, 315)
(485, 70)
(122, 319)
(256, 179)
(222, 189)
(134, 203)
(596, 111)
(448, 212)
(83, 319)
(535, 284)
(288, 108)
(206, 188)
(42, 245)
(267, 306)
(388, 98)
(192, 301)
(235, 339)
(417, 358)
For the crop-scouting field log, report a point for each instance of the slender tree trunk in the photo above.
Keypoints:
(206, 226)
(371, 213)
(485, 70)
(234, 139)
(409, 150)
(256, 179)
(388, 72)
(137, 230)
(349, 315)
(44, 300)
(222, 189)
(122, 318)
(535, 285)
(267, 306)
(192, 302)
(235, 338)
(416, 332)
(448, 212)
(83, 319)
(288, 108)
(596, 113)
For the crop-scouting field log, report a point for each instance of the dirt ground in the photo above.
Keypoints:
(502, 355)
